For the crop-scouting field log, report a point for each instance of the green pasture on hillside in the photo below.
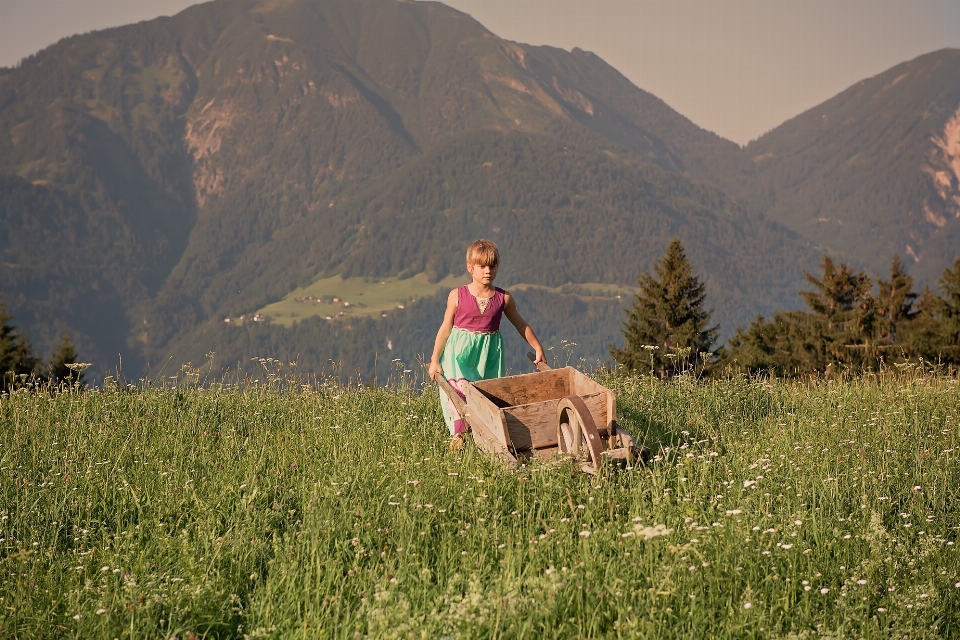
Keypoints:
(308, 509)
(336, 297)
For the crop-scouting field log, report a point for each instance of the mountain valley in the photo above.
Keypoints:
(159, 177)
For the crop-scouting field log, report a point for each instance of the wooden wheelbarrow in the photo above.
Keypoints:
(552, 411)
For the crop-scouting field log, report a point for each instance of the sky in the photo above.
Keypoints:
(736, 67)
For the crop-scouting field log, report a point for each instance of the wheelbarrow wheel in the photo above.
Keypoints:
(577, 433)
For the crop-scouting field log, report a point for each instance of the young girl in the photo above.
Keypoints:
(469, 346)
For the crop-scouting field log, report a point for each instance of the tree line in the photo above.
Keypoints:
(849, 325)
(19, 365)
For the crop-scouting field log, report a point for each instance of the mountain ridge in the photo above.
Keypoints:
(217, 159)
(875, 170)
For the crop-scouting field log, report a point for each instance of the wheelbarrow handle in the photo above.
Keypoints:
(541, 366)
(455, 398)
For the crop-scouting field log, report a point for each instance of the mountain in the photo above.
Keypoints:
(158, 176)
(560, 214)
(874, 171)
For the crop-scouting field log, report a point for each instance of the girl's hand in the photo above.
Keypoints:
(434, 370)
(539, 357)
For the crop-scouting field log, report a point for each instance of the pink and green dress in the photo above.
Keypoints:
(474, 350)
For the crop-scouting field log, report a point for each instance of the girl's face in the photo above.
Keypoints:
(484, 275)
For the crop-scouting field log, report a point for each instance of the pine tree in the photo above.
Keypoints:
(784, 345)
(844, 327)
(921, 336)
(946, 308)
(844, 316)
(16, 354)
(666, 330)
(65, 355)
(896, 303)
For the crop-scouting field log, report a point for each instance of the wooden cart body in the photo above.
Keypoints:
(516, 416)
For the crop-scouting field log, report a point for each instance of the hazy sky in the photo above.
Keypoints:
(737, 67)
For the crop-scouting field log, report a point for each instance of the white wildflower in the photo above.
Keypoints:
(647, 533)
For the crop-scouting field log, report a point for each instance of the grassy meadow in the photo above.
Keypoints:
(316, 510)
(353, 297)
(361, 297)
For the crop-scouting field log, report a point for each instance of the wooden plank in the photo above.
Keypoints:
(482, 434)
(527, 388)
(545, 453)
(452, 394)
(582, 385)
(611, 421)
(491, 415)
(489, 443)
(534, 426)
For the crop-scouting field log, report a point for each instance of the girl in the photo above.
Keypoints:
(469, 346)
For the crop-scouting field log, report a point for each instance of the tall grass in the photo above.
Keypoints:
(770, 509)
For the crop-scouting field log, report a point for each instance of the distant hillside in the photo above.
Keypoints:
(573, 330)
(157, 177)
(875, 170)
(560, 214)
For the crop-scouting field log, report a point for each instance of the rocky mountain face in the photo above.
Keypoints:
(873, 171)
(158, 176)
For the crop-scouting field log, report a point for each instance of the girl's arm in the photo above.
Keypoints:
(442, 335)
(524, 329)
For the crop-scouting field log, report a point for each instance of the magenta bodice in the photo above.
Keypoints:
(468, 314)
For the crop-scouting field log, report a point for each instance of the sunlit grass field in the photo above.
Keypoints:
(318, 510)
(355, 297)
(360, 297)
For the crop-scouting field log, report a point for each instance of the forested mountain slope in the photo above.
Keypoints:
(160, 175)
(875, 170)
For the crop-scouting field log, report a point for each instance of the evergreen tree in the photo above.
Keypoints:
(65, 355)
(896, 303)
(844, 327)
(901, 315)
(784, 345)
(921, 336)
(843, 319)
(16, 354)
(666, 330)
(946, 308)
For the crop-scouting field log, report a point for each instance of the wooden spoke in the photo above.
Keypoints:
(577, 433)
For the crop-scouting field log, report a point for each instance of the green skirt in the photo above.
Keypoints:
(468, 357)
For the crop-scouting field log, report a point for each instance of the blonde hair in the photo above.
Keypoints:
(483, 253)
